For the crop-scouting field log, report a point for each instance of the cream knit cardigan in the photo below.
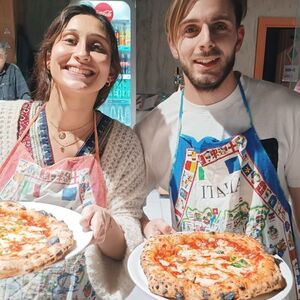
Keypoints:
(124, 172)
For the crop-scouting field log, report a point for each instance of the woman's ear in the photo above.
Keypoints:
(48, 60)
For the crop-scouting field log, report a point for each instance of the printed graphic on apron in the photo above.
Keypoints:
(71, 183)
(232, 185)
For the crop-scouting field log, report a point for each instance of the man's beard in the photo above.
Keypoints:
(208, 85)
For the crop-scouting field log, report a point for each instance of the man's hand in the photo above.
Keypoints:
(97, 219)
(156, 227)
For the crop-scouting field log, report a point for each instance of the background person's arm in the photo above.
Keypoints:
(22, 91)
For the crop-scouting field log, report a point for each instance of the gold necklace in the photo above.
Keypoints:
(65, 145)
(62, 134)
(62, 147)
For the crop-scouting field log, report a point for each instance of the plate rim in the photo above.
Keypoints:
(135, 255)
(76, 249)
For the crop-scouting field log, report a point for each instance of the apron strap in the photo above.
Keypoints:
(22, 136)
(30, 123)
(245, 101)
(97, 152)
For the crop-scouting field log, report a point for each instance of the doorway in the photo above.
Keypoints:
(275, 50)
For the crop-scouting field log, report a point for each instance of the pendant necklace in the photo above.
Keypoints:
(62, 146)
(62, 134)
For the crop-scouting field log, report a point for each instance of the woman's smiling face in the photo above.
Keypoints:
(81, 56)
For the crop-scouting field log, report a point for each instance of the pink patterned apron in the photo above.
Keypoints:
(72, 183)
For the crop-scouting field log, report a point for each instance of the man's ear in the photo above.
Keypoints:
(173, 48)
(240, 38)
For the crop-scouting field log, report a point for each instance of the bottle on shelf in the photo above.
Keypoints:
(123, 35)
(128, 64)
(128, 35)
(117, 34)
(123, 59)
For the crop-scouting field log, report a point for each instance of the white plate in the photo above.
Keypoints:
(137, 275)
(71, 218)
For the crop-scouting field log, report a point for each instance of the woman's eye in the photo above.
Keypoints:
(98, 48)
(70, 41)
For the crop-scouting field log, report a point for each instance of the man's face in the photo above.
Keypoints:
(2, 59)
(207, 42)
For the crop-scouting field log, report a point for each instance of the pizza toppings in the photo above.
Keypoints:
(30, 239)
(213, 265)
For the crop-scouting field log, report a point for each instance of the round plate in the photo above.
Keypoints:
(71, 218)
(138, 276)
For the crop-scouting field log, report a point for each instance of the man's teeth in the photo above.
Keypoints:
(80, 71)
(206, 61)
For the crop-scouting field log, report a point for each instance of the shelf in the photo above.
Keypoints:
(123, 48)
(125, 76)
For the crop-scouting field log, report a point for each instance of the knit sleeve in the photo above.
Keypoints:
(124, 172)
(9, 117)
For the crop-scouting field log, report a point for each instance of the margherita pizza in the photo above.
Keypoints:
(199, 265)
(29, 239)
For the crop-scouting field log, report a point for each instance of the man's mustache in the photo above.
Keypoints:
(212, 52)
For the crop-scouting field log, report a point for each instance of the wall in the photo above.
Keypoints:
(7, 28)
(155, 66)
(260, 8)
(36, 15)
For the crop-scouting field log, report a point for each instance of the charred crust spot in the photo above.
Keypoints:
(227, 296)
(179, 296)
(53, 240)
(205, 294)
(44, 213)
(165, 291)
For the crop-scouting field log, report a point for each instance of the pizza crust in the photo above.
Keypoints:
(24, 254)
(198, 266)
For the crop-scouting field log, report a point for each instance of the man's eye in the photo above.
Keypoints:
(191, 31)
(220, 26)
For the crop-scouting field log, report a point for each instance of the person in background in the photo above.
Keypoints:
(226, 146)
(62, 132)
(297, 87)
(12, 83)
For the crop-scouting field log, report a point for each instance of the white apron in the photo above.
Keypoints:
(231, 185)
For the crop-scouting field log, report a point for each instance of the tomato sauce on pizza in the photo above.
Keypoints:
(29, 239)
(203, 265)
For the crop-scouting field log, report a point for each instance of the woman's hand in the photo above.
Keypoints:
(107, 233)
(97, 219)
(156, 227)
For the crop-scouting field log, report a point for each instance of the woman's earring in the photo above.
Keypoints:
(108, 83)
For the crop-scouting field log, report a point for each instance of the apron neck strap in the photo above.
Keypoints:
(97, 151)
(243, 98)
(245, 101)
(30, 123)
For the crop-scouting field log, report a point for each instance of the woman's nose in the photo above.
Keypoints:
(82, 52)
